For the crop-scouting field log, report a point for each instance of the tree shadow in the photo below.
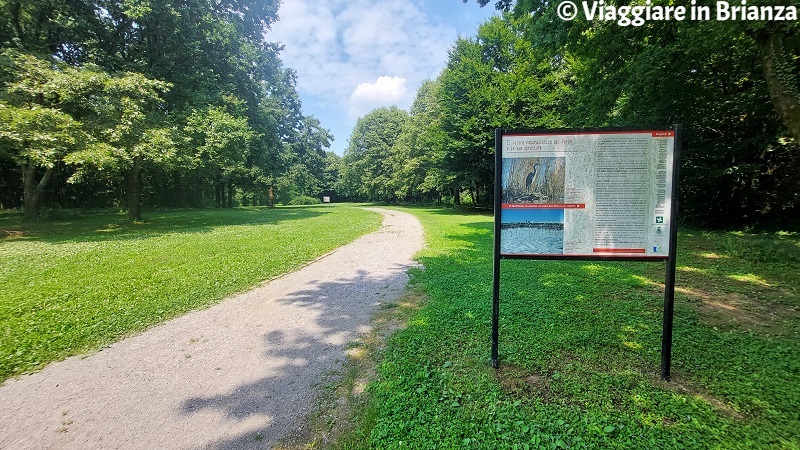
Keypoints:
(592, 330)
(93, 226)
(335, 312)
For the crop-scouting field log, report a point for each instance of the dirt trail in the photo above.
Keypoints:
(241, 374)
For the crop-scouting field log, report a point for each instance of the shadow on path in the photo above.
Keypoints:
(241, 374)
(308, 348)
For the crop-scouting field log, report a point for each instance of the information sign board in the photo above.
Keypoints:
(588, 193)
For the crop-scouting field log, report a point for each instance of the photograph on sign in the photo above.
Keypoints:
(533, 180)
(532, 231)
(586, 194)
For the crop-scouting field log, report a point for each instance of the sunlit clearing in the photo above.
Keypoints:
(592, 269)
(711, 255)
(644, 280)
(750, 278)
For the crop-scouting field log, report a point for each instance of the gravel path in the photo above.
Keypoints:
(241, 374)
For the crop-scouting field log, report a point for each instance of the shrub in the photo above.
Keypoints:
(304, 200)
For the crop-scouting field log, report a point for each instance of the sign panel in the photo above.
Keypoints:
(586, 194)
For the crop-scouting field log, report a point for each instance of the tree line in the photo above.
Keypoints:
(733, 85)
(152, 102)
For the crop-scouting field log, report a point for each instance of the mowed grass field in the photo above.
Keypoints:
(580, 349)
(74, 285)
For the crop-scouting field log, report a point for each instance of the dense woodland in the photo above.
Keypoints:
(107, 103)
(733, 85)
(112, 103)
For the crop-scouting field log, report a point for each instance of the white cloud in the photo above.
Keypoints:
(385, 91)
(343, 49)
(335, 45)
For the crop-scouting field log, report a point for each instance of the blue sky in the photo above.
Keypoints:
(533, 215)
(352, 56)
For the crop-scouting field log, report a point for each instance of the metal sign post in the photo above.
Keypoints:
(608, 195)
(498, 163)
(669, 276)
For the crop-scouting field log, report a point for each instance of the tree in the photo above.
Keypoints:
(416, 151)
(305, 158)
(331, 174)
(779, 47)
(34, 130)
(495, 80)
(37, 138)
(57, 28)
(732, 84)
(124, 117)
(203, 53)
(366, 163)
(220, 141)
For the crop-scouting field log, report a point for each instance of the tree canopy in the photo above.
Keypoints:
(109, 102)
(733, 86)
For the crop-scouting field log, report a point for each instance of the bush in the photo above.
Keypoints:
(304, 200)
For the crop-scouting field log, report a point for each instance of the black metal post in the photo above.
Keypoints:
(669, 283)
(498, 191)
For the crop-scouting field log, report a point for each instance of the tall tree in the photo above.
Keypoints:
(419, 147)
(732, 84)
(495, 80)
(220, 144)
(35, 131)
(366, 163)
(126, 119)
(59, 28)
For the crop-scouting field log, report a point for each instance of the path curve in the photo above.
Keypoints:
(239, 374)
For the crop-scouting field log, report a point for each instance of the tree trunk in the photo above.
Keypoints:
(200, 196)
(217, 191)
(457, 196)
(30, 194)
(135, 191)
(230, 195)
(271, 196)
(781, 79)
(178, 193)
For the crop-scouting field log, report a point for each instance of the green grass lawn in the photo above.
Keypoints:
(81, 282)
(580, 349)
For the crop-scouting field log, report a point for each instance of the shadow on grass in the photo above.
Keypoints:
(301, 356)
(584, 337)
(96, 226)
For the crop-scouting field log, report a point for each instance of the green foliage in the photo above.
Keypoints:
(35, 130)
(81, 282)
(303, 200)
(580, 348)
(166, 94)
(37, 135)
(446, 146)
(220, 141)
(733, 86)
(123, 118)
(367, 168)
(419, 172)
(719, 79)
(497, 80)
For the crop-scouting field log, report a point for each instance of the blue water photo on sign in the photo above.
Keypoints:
(532, 231)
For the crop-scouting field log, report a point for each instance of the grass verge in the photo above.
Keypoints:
(580, 349)
(75, 284)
